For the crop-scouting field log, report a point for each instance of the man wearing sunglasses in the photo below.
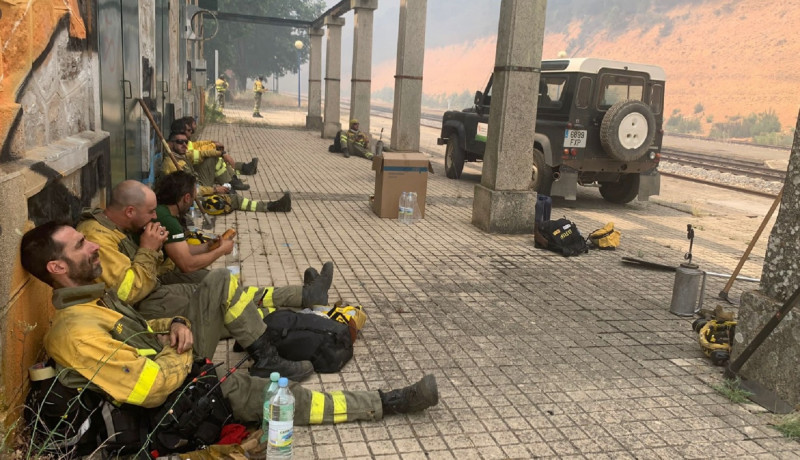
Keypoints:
(212, 155)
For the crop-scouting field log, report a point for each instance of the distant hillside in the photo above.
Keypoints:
(723, 58)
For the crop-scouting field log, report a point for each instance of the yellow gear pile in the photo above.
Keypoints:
(606, 237)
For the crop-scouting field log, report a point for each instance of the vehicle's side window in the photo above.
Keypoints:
(584, 94)
(551, 92)
(657, 99)
(616, 88)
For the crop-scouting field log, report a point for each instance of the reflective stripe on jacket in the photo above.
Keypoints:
(221, 85)
(131, 271)
(102, 342)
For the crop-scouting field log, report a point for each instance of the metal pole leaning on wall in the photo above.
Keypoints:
(171, 156)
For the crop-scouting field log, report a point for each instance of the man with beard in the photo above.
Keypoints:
(100, 343)
(135, 268)
(175, 194)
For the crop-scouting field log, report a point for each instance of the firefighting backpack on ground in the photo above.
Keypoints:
(310, 337)
(561, 236)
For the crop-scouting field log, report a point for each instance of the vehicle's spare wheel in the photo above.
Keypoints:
(628, 130)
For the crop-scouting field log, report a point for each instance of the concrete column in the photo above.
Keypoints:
(361, 82)
(503, 203)
(314, 117)
(408, 78)
(333, 74)
(774, 363)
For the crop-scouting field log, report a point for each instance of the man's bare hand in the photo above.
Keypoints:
(180, 337)
(221, 189)
(153, 236)
(226, 245)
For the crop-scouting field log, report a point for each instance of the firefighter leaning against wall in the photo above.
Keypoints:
(130, 363)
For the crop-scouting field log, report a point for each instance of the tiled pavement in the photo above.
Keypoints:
(535, 355)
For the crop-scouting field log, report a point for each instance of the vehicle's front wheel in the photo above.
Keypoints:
(621, 192)
(453, 157)
(542, 176)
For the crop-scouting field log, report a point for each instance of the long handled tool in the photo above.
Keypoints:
(171, 155)
(760, 395)
(723, 294)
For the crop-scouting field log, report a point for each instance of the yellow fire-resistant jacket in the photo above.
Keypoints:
(104, 344)
(221, 85)
(258, 87)
(132, 272)
(167, 166)
(200, 150)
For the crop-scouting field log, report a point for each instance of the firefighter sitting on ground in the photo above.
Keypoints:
(354, 142)
(137, 272)
(258, 91)
(216, 199)
(89, 344)
(221, 85)
(201, 151)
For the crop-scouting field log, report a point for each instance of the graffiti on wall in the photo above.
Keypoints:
(26, 31)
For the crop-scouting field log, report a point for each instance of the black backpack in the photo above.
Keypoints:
(561, 236)
(336, 147)
(310, 337)
(192, 416)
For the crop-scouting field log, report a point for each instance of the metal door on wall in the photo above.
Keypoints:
(162, 65)
(120, 86)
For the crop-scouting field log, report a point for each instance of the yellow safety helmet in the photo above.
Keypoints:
(214, 205)
(353, 122)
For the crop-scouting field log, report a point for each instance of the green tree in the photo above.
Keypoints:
(257, 49)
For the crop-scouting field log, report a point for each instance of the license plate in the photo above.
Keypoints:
(574, 138)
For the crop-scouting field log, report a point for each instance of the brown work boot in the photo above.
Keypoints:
(266, 361)
(413, 398)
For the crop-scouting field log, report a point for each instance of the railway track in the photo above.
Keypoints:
(735, 166)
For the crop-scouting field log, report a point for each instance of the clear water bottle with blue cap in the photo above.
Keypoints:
(269, 392)
(281, 422)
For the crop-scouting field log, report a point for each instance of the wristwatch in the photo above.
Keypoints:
(179, 321)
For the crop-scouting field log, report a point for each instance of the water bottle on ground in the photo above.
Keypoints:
(401, 209)
(232, 261)
(281, 422)
(195, 220)
(412, 209)
(269, 392)
(543, 207)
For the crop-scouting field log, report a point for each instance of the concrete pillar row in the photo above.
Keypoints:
(361, 82)
(503, 202)
(333, 74)
(408, 79)
(314, 117)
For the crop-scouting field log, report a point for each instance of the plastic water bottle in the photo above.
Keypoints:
(281, 422)
(412, 210)
(401, 210)
(269, 392)
(196, 218)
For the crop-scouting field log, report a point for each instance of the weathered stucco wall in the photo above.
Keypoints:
(54, 160)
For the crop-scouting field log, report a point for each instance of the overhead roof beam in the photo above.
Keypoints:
(335, 11)
(261, 20)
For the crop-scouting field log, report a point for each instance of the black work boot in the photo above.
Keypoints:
(412, 398)
(284, 204)
(316, 292)
(248, 169)
(237, 184)
(310, 275)
(266, 361)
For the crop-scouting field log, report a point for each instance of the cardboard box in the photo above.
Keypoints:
(396, 173)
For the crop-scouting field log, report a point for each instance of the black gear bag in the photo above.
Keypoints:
(193, 416)
(561, 236)
(310, 337)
